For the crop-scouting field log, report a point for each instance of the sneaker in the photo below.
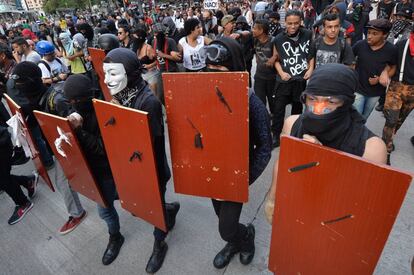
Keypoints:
(32, 186)
(412, 140)
(72, 223)
(20, 212)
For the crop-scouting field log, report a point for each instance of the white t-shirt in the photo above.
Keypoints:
(32, 57)
(192, 59)
(56, 68)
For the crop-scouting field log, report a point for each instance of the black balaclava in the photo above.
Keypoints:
(78, 87)
(28, 81)
(236, 61)
(331, 128)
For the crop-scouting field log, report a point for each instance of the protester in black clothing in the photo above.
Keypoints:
(28, 83)
(330, 120)
(385, 9)
(294, 66)
(274, 26)
(123, 77)
(246, 42)
(240, 238)
(11, 183)
(375, 64)
(265, 77)
(124, 37)
(331, 48)
(359, 17)
(78, 91)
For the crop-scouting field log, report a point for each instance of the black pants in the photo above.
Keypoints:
(265, 90)
(11, 183)
(229, 214)
(286, 93)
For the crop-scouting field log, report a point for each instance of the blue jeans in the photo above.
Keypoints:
(109, 214)
(44, 151)
(365, 104)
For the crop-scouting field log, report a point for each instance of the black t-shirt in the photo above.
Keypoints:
(385, 10)
(371, 63)
(340, 52)
(408, 77)
(294, 55)
(169, 46)
(263, 53)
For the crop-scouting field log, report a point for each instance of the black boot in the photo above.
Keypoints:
(112, 250)
(247, 246)
(224, 257)
(412, 140)
(172, 210)
(380, 107)
(157, 257)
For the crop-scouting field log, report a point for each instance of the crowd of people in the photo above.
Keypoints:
(326, 59)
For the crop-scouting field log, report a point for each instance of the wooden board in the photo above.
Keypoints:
(97, 56)
(213, 106)
(73, 162)
(128, 143)
(333, 218)
(37, 161)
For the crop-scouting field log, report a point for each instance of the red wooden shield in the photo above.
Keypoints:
(128, 143)
(98, 56)
(70, 155)
(334, 211)
(208, 125)
(37, 161)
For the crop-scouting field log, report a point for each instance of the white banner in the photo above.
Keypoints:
(211, 4)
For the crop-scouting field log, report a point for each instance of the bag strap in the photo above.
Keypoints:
(404, 56)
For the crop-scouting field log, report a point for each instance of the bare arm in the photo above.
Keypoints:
(375, 150)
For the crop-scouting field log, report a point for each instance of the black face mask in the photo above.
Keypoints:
(327, 128)
(83, 107)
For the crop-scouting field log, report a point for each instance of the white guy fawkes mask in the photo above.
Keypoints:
(115, 77)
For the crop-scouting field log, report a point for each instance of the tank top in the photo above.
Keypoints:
(192, 60)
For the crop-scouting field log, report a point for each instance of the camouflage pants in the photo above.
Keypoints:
(399, 102)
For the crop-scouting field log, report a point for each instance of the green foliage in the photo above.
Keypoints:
(50, 6)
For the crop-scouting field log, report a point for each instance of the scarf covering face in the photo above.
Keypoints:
(131, 64)
(342, 128)
(66, 42)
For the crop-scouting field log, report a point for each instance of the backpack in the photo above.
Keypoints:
(342, 44)
(47, 65)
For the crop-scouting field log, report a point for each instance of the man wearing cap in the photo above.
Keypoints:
(399, 101)
(330, 120)
(376, 59)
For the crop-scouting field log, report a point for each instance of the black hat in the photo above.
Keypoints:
(380, 25)
(406, 12)
(108, 42)
(26, 71)
(78, 86)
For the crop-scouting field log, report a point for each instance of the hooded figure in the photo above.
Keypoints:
(330, 120)
(78, 90)
(343, 128)
(224, 55)
(123, 76)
